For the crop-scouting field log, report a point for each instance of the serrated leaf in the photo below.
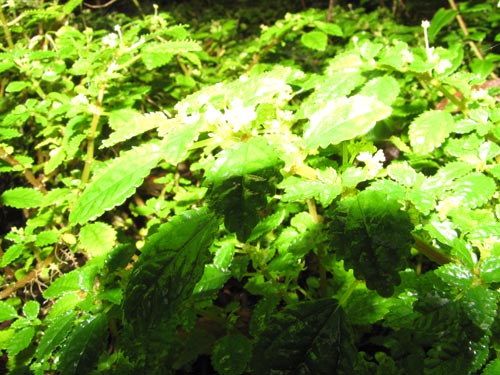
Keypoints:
(22, 198)
(76, 280)
(46, 237)
(342, 119)
(403, 173)
(11, 254)
(178, 136)
(97, 238)
(385, 89)
(55, 335)
(474, 190)
(16, 86)
(7, 312)
(84, 345)
(329, 28)
(305, 338)
(240, 181)
(300, 189)
(155, 55)
(481, 306)
(128, 123)
(455, 274)
(20, 340)
(492, 368)
(490, 270)
(115, 183)
(430, 130)
(170, 265)
(316, 40)
(231, 354)
(211, 282)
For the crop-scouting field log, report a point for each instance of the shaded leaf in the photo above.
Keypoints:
(20, 340)
(55, 334)
(84, 345)
(231, 354)
(441, 18)
(305, 338)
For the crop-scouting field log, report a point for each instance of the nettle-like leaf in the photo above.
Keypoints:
(372, 234)
(342, 119)
(231, 354)
(474, 190)
(116, 182)
(386, 89)
(240, 181)
(305, 338)
(85, 344)
(155, 55)
(128, 123)
(97, 238)
(170, 265)
(430, 130)
(22, 198)
(7, 312)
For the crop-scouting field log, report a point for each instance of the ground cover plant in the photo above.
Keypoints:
(203, 193)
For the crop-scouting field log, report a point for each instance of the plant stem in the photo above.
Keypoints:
(4, 155)
(6, 30)
(91, 136)
(463, 26)
(430, 252)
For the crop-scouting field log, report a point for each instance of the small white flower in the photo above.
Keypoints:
(373, 163)
(407, 56)
(213, 115)
(80, 99)
(426, 24)
(442, 65)
(238, 116)
(110, 40)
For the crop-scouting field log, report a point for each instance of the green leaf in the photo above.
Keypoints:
(22, 198)
(474, 190)
(7, 312)
(442, 18)
(490, 270)
(316, 40)
(128, 123)
(47, 237)
(75, 280)
(211, 282)
(16, 86)
(492, 368)
(11, 254)
(20, 340)
(178, 136)
(385, 89)
(305, 338)
(342, 119)
(324, 190)
(115, 183)
(430, 130)
(481, 306)
(85, 344)
(164, 276)
(455, 274)
(404, 174)
(31, 310)
(329, 28)
(97, 238)
(155, 55)
(55, 335)
(231, 354)
(240, 181)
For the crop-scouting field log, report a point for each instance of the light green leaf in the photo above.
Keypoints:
(16, 86)
(385, 89)
(55, 335)
(441, 18)
(155, 55)
(403, 173)
(490, 270)
(97, 238)
(455, 274)
(115, 183)
(231, 354)
(315, 40)
(31, 310)
(493, 367)
(474, 190)
(178, 136)
(46, 237)
(7, 312)
(80, 279)
(128, 123)
(430, 130)
(329, 28)
(342, 119)
(81, 350)
(300, 189)
(211, 282)
(11, 254)
(20, 340)
(22, 198)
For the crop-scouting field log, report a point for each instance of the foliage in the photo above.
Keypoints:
(217, 197)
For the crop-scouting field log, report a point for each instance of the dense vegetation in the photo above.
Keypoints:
(249, 189)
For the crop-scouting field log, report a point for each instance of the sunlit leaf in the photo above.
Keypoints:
(97, 238)
(430, 130)
(22, 198)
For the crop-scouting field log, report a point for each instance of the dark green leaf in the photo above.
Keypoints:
(84, 345)
(55, 334)
(305, 338)
(231, 354)
(20, 340)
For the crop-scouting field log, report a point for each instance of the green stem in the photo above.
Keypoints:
(4, 155)
(430, 252)
(6, 30)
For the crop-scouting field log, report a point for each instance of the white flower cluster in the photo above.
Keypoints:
(373, 163)
(235, 117)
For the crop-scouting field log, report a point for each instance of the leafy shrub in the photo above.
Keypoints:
(318, 198)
